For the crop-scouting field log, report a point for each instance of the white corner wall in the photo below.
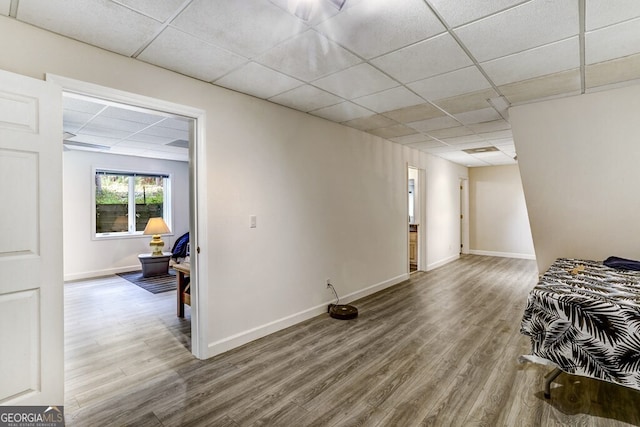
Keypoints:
(579, 164)
(498, 220)
(330, 201)
(86, 257)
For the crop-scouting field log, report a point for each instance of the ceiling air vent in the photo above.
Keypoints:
(480, 150)
(182, 143)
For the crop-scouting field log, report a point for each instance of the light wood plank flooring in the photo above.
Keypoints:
(438, 350)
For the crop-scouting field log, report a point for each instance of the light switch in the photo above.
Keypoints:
(253, 221)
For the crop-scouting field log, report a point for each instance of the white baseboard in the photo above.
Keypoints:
(244, 337)
(502, 254)
(442, 262)
(99, 273)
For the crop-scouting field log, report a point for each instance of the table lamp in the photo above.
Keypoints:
(156, 227)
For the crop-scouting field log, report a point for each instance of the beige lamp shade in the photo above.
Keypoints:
(156, 227)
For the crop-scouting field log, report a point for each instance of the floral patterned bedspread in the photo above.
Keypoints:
(585, 317)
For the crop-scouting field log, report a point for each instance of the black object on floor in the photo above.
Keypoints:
(342, 311)
(153, 284)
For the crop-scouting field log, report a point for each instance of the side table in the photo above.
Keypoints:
(154, 265)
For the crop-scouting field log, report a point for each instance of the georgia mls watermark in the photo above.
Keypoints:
(31, 416)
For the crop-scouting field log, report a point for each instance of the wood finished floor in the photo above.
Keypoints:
(438, 350)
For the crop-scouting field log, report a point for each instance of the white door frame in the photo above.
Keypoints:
(197, 193)
(464, 215)
(421, 220)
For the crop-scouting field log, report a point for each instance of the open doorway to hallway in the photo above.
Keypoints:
(414, 217)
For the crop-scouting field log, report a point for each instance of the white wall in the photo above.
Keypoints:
(86, 257)
(579, 161)
(498, 220)
(330, 201)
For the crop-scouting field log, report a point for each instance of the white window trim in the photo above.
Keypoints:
(168, 204)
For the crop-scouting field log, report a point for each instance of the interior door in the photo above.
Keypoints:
(31, 274)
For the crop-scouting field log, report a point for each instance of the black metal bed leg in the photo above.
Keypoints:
(547, 385)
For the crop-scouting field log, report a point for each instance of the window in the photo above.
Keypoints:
(124, 201)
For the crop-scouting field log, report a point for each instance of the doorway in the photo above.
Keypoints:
(413, 180)
(195, 183)
(464, 216)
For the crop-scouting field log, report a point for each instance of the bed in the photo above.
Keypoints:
(584, 318)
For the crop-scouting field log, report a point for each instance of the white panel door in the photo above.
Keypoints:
(31, 276)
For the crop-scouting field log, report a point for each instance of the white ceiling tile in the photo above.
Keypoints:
(320, 10)
(188, 55)
(612, 42)
(5, 6)
(457, 13)
(450, 132)
(100, 23)
(559, 84)
(428, 58)
(504, 144)
(306, 98)
(523, 27)
(177, 123)
(467, 102)
(618, 70)
(308, 56)
(540, 61)
(463, 158)
(160, 10)
(168, 133)
(490, 126)
(509, 149)
(70, 102)
(414, 113)
(372, 28)
(127, 151)
(258, 80)
(103, 139)
(600, 13)
(451, 84)
(478, 116)
(72, 121)
(434, 124)
(498, 134)
(411, 139)
(427, 145)
(391, 99)
(495, 158)
(375, 121)
(247, 27)
(356, 81)
(342, 112)
(103, 121)
(144, 139)
(393, 131)
(145, 143)
(132, 115)
(443, 148)
(467, 139)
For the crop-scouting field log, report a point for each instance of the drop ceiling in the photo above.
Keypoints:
(436, 75)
